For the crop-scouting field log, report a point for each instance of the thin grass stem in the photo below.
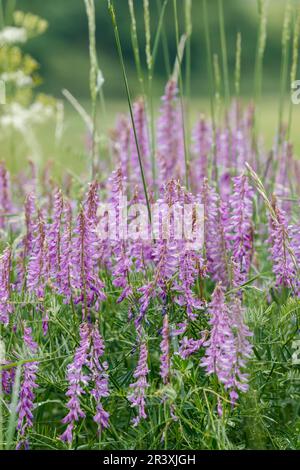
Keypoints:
(186, 153)
(285, 41)
(164, 41)
(237, 72)
(224, 51)
(294, 67)
(211, 87)
(112, 13)
(90, 10)
(135, 46)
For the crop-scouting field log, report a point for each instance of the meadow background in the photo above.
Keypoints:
(64, 62)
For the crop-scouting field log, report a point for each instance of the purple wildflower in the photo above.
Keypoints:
(54, 236)
(137, 397)
(121, 140)
(191, 265)
(8, 377)
(283, 265)
(180, 329)
(202, 141)
(216, 243)
(122, 265)
(228, 346)
(282, 189)
(77, 379)
(170, 143)
(27, 241)
(64, 275)
(241, 227)
(5, 266)
(26, 398)
(243, 348)
(139, 250)
(37, 270)
(91, 203)
(100, 378)
(223, 150)
(85, 276)
(189, 346)
(148, 292)
(141, 129)
(220, 347)
(88, 353)
(5, 195)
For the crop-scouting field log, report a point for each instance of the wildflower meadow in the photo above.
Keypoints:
(149, 290)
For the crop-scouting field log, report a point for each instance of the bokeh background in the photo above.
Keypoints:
(63, 50)
(64, 58)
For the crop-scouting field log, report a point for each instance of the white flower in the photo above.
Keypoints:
(12, 35)
(100, 80)
(18, 77)
(20, 118)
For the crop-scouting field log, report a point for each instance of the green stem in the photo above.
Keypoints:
(188, 32)
(237, 73)
(135, 46)
(90, 9)
(164, 43)
(260, 49)
(294, 66)
(150, 87)
(111, 10)
(224, 51)
(211, 90)
(284, 69)
(186, 158)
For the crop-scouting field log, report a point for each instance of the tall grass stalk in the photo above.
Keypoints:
(294, 67)
(159, 32)
(261, 189)
(211, 87)
(80, 110)
(179, 57)
(188, 62)
(94, 69)
(149, 61)
(135, 46)
(217, 81)
(112, 13)
(186, 153)
(258, 70)
(237, 72)
(285, 42)
(224, 51)
(188, 31)
(147, 34)
(164, 40)
(260, 49)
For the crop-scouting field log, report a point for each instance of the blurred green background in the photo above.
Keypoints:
(63, 50)
(64, 58)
